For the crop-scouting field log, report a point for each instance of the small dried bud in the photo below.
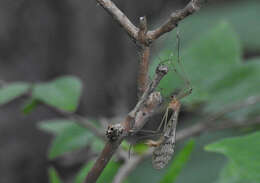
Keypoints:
(162, 69)
(114, 131)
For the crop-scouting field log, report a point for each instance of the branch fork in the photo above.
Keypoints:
(149, 100)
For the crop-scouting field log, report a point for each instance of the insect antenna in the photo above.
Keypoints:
(187, 89)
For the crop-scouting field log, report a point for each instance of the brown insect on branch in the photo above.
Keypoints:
(208, 124)
(149, 100)
(147, 105)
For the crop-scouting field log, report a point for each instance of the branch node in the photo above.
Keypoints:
(142, 37)
(114, 131)
(162, 70)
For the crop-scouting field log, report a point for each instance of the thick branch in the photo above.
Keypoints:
(144, 54)
(160, 72)
(173, 20)
(143, 69)
(120, 17)
(148, 103)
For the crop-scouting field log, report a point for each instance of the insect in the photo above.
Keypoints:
(164, 146)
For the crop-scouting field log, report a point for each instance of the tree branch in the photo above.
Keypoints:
(120, 18)
(149, 100)
(209, 122)
(173, 20)
(148, 103)
(142, 37)
(129, 166)
(143, 69)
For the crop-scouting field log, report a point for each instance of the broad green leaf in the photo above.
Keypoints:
(243, 154)
(53, 176)
(229, 175)
(237, 85)
(81, 175)
(204, 62)
(178, 163)
(106, 176)
(217, 74)
(11, 91)
(69, 136)
(63, 93)
(235, 13)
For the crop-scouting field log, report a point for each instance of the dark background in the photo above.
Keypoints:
(43, 39)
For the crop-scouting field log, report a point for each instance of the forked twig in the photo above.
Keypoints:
(149, 100)
(143, 37)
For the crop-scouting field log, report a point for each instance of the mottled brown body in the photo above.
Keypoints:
(164, 147)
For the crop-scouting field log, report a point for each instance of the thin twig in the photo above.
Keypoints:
(148, 103)
(161, 71)
(142, 37)
(199, 128)
(209, 122)
(128, 167)
(87, 124)
(173, 20)
(120, 18)
(252, 100)
(80, 120)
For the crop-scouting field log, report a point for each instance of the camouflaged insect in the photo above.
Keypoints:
(163, 153)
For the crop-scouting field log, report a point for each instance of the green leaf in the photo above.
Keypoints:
(30, 105)
(11, 91)
(243, 154)
(80, 177)
(236, 85)
(140, 148)
(53, 176)
(69, 136)
(125, 145)
(229, 175)
(205, 61)
(234, 13)
(178, 163)
(106, 176)
(217, 74)
(109, 172)
(63, 93)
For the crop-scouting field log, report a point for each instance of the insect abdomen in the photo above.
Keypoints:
(163, 153)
